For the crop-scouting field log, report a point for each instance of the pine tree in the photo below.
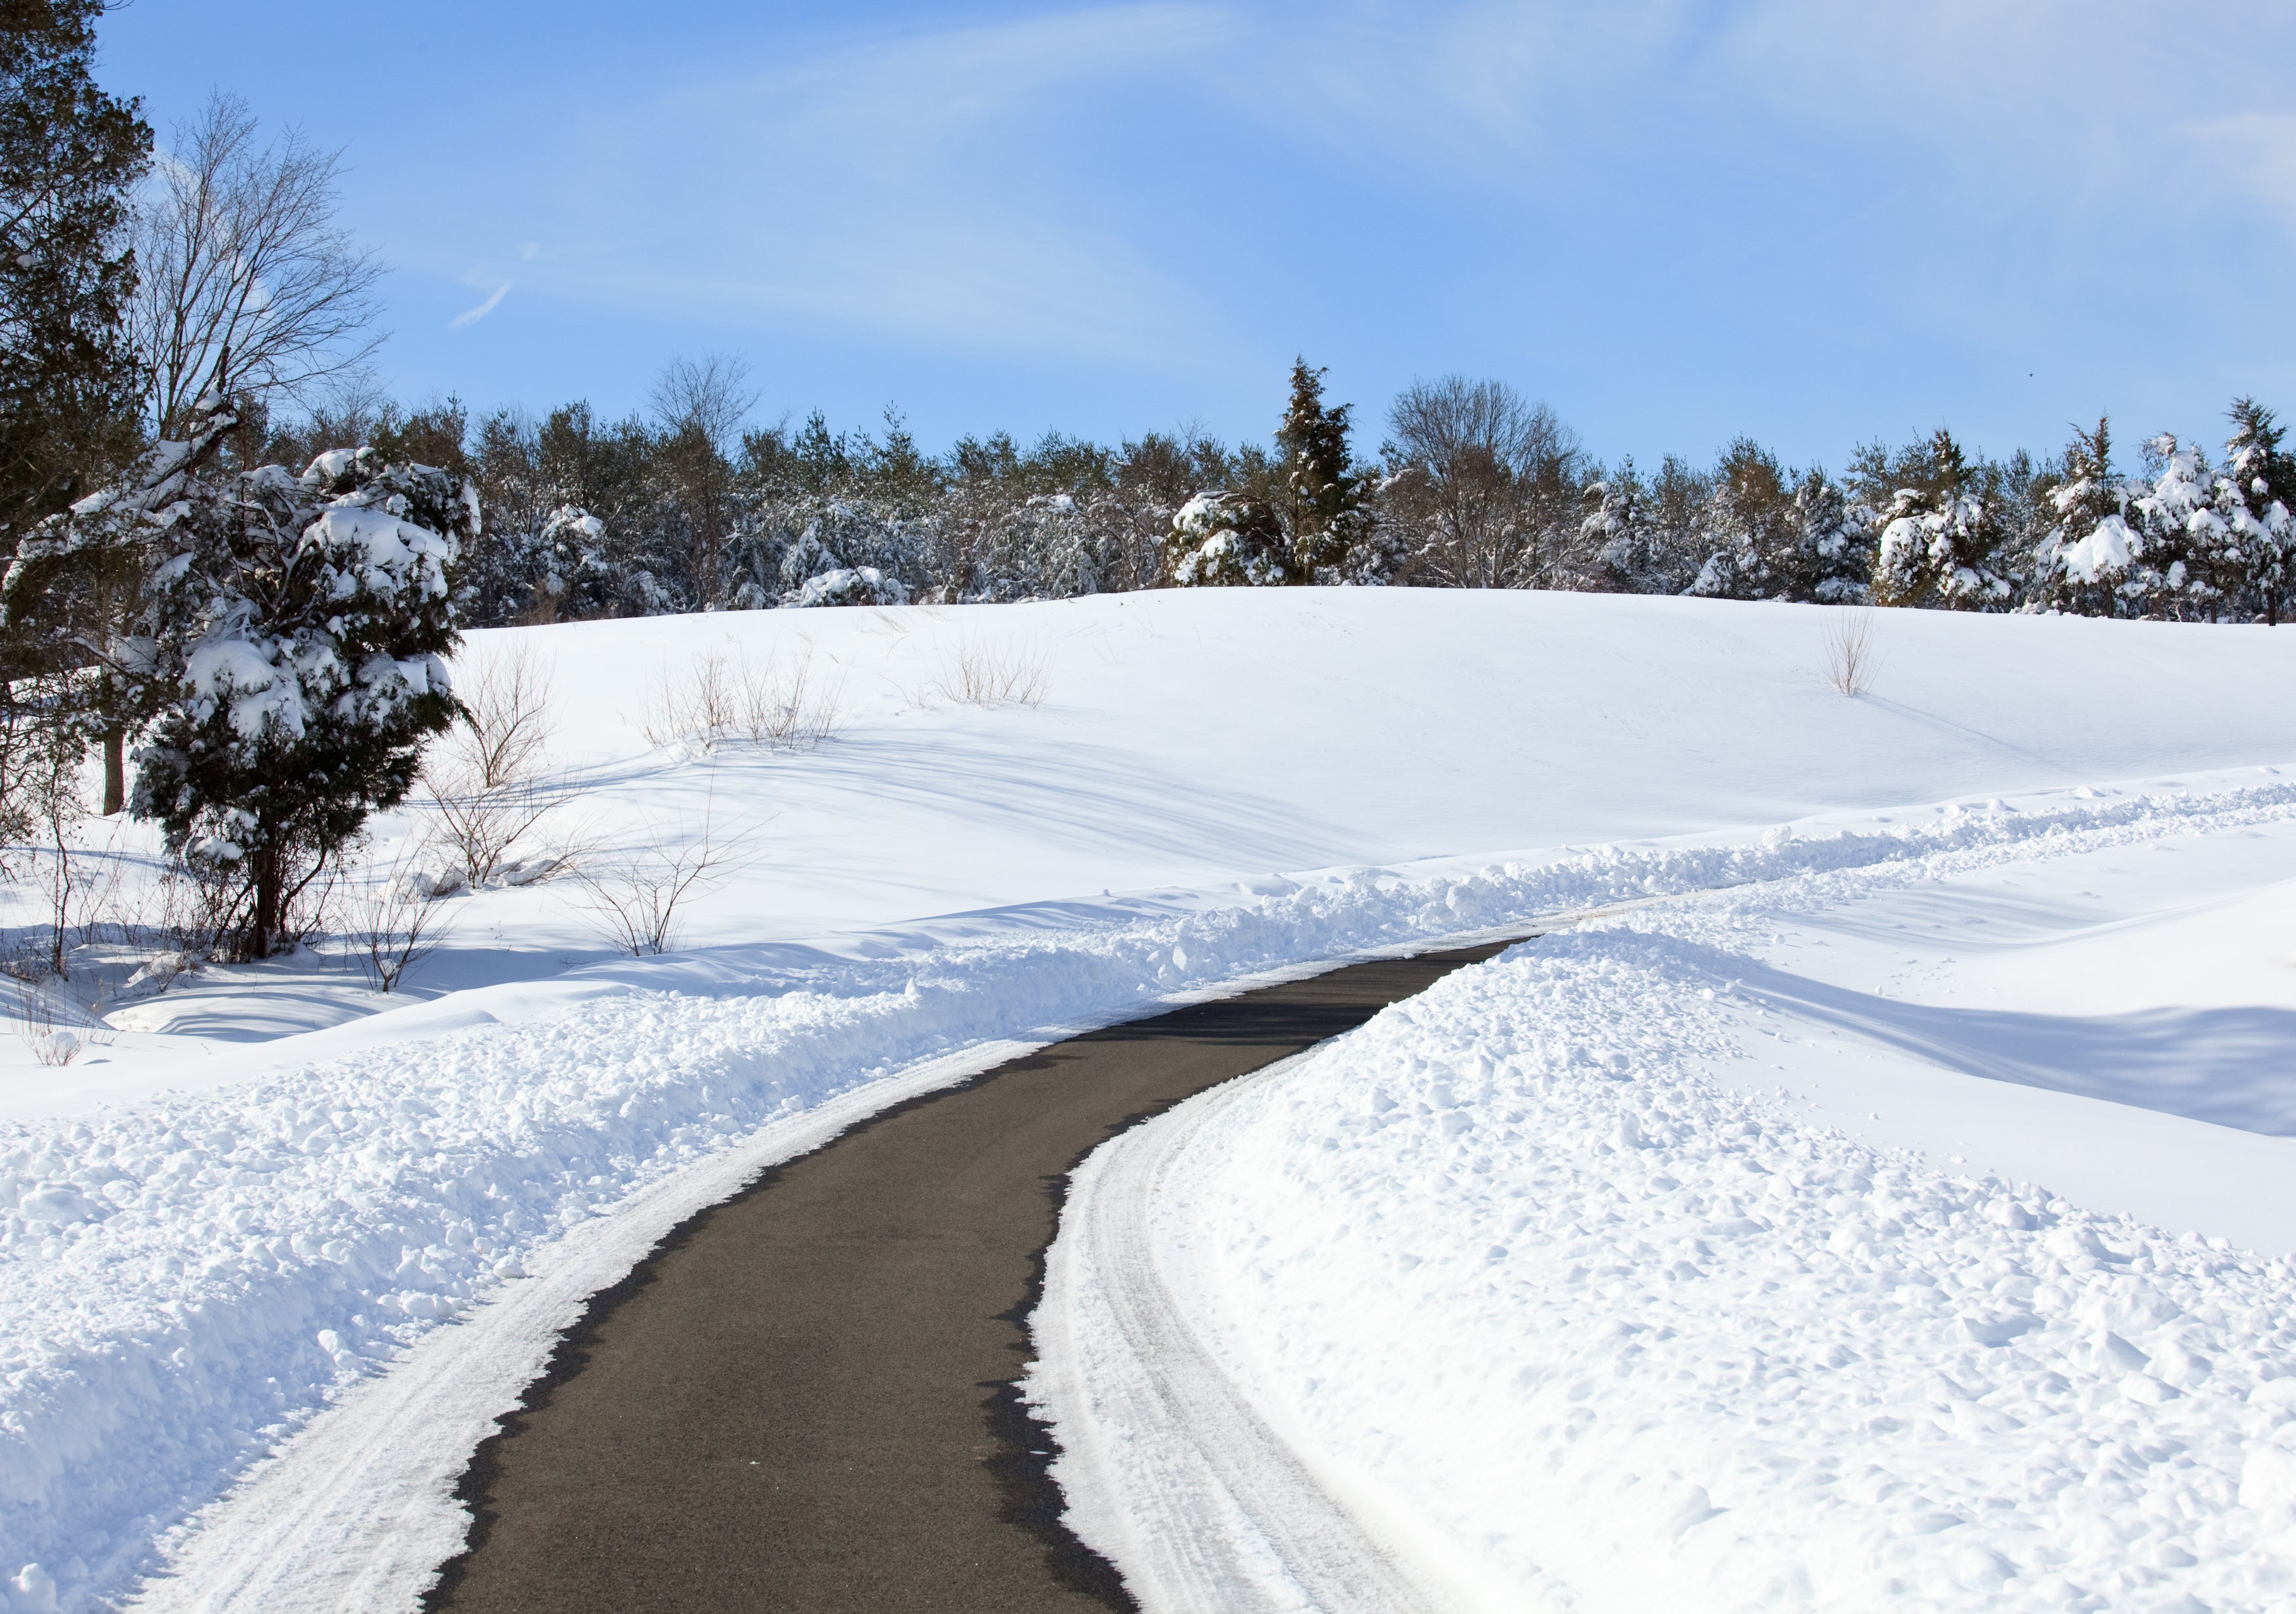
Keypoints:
(1617, 532)
(1326, 496)
(2086, 558)
(69, 156)
(1832, 559)
(291, 667)
(1224, 540)
(2190, 565)
(2262, 481)
(1750, 527)
(1941, 539)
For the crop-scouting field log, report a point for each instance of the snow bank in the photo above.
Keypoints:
(1586, 1325)
(185, 1279)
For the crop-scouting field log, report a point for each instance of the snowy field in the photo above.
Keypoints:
(272, 1184)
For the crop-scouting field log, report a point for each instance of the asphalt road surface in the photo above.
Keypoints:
(803, 1401)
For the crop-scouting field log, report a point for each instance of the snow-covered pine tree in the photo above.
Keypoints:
(578, 578)
(1832, 559)
(1616, 530)
(1940, 540)
(2262, 478)
(292, 666)
(1327, 495)
(1226, 540)
(1750, 525)
(2190, 565)
(2086, 559)
(813, 574)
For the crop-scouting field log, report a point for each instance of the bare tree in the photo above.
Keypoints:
(241, 265)
(1492, 480)
(699, 406)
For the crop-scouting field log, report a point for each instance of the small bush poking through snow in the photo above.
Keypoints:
(718, 700)
(1850, 655)
(979, 674)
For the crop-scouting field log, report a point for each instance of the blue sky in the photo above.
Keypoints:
(1814, 221)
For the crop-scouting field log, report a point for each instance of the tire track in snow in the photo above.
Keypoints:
(1167, 1466)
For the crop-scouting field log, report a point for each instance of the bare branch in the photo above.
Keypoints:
(240, 257)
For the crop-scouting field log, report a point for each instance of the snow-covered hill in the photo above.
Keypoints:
(1178, 741)
(217, 1226)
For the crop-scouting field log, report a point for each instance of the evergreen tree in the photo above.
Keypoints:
(1227, 540)
(2086, 559)
(1618, 531)
(2262, 480)
(71, 582)
(1833, 557)
(291, 667)
(69, 156)
(1750, 526)
(2190, 565)
(1941, 539)
(1326, 496)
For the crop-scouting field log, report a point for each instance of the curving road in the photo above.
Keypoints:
(803, 1401)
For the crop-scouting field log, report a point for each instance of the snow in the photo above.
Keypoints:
(2103, 552)
(1644, 1268)
(268, 1184)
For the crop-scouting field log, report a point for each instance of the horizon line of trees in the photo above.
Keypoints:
(680, 508)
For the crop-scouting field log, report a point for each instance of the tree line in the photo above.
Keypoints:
(233, 562)
(1472, 486)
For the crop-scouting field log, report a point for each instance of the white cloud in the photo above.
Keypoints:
(471, 316)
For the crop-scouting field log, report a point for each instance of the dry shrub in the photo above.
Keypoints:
(490, 776)
(786, 708)
(1851, 659)
(977, 673)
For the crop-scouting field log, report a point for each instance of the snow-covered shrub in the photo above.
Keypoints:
(1221, 539)
(291, 664)
(847, 585)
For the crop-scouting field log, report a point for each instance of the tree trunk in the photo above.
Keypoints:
(263, 923)
(115, 770)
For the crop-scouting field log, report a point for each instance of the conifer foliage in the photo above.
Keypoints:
(1941, 538)
(1226, 540)
(1310, 527)
(291, 667)
(1326, 497)
(2262, 478)
(2087, 558)
(69, 157)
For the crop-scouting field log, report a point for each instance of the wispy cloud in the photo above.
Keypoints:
(932, 184)
(1180, 185)
(471, 316)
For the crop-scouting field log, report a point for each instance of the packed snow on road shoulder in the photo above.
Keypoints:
(1724, 1254)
